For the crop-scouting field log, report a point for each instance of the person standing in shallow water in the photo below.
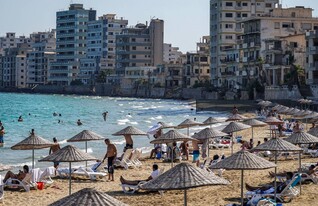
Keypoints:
(105, 115)
(2, 132)
(79, 123)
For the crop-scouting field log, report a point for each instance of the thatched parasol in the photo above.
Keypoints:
(311, 115)
(209, 133)
(234, 127)
(293, 111)
(314, 131)
(172, 136)
(69, 154)
(210, 121)
(235, 117)
(130, 130)
(254, 123)
(31, 143)
(243, 160)
(187, 124)
(284, 110)
(277, 145)
(273, 121)
(85, 136)
(88, 197)
(165, 125)
(182, 177)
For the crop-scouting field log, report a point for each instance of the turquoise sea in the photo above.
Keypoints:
(37, 111)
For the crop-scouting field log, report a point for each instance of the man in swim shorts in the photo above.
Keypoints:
(111, 155)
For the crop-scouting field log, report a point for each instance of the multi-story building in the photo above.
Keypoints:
(71, 34)
(197, 66)
(225, 25)
(312, 57)
(11, 41)
(171, 55)
(267, 44)
(140, 46)
(39, 58)
(101, 46)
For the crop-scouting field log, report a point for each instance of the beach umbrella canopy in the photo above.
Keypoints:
(311, 115)
(69, 154)
(85, 136)
(254, 123)
(243, 160)
(209, 133)
(235, 117)
(273, 121)
(211, 120)
(234, 127)
(182, 177)
(165, 125)
(32, 142)
(172, 136)
(293, 111)
(130, 130)
(187, 124)
(88, 197)
(302, 113)
(302, 138)
(283, 110)
(277, 107)
(314, 131)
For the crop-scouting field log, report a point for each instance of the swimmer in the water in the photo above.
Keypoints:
(79, 123)
(20, 119)
(105, 115)
(54, 114)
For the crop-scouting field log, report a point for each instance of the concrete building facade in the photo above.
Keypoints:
(225, 18)
(71, 34)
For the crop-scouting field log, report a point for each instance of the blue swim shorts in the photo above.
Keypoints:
(196, 155)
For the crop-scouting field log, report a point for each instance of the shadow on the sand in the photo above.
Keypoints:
(137, 193)
(233, 199)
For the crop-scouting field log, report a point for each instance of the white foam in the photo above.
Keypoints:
(147, 121)
(133, 123)
(128, 116)
(121, 123)
(89, 150)
(63, 141)
(123, 120)
(121, 105)
(119, 142)
(158, 117)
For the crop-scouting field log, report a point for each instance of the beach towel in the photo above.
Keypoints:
(48, 172)
(35, 175)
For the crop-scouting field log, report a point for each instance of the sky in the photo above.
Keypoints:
(186, 21)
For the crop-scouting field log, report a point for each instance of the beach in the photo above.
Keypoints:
(209, 195)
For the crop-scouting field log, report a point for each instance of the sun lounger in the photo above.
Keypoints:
(25, 183)
(46, 175)
(288, 193)
(135, 158)
(89, 173)
(125, 162)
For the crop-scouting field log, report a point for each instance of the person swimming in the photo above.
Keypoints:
(20, 119)
(79, 123)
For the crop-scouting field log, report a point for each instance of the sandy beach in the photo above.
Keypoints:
(210, 195)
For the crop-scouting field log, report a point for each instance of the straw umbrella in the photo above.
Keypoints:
(85, 136)
(272, 121)
(130, 130)
(187, 124)
(210, 121)
(32, 142)
(165, 125)
(314, 131)
(88, 197)
(170, 137)
(234, 127)
(254, 123)
(208, 133)
(243, 160)
(277, 145)
(68, 154)
(235, 117)
(182, 177)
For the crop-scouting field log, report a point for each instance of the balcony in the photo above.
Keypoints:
(314, 66)
(312, 50)
(228, 73)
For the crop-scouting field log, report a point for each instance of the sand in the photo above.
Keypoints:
(210, 195)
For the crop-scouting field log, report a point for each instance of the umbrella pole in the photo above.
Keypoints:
(252, 134)
(172, 158)
(32, 158)
(300, 172)
(275, 183)
(242, 198)
(185, 198)
(232, 144)
(70, 178)
(86, 152)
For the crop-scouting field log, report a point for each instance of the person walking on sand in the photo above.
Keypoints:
(111, 154)
(105, 115)
(196, 152)
(53, 149)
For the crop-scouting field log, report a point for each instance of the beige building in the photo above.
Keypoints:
(138, 76)
(312, 57)
(171, 55)
(225, 26)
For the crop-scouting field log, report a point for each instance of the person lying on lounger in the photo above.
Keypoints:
(20, 176)
(154, 174)
(269, 188)
(312, 170)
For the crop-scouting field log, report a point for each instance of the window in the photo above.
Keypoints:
(245, 4)
(258, 4)
(287, 25)
(133, 40)
(228, 37)
(229, 26)
(133, 56)
(268, 5)
(293, 14)
(228, 4)
(133, 48)
(244, 15)
(276, 25)
(228, 15)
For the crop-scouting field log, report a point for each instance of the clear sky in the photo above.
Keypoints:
(185, 20)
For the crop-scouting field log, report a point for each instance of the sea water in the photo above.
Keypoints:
(37, 113)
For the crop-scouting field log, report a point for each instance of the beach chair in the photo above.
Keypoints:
(25, 183)
(125, 161)
(46, 175)
(135, 158)
(89, 173)
(130, 189)
(288, 193)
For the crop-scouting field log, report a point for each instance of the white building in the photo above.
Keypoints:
(171, 55)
